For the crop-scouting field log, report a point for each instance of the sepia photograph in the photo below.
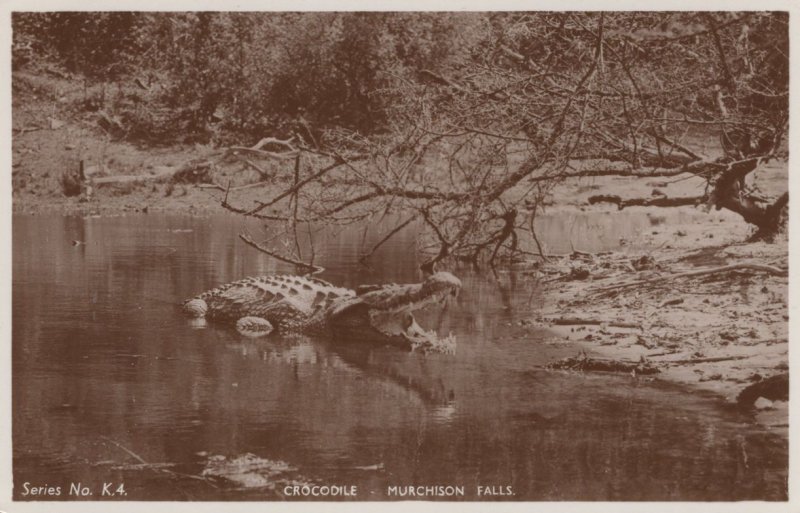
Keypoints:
(380, 256)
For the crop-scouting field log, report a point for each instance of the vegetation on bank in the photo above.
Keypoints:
(230, 77)
(461, 121)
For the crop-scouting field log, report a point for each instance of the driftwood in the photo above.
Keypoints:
(162, 174)
(690, 361)
(584, 363)
(572, 321)
(25, 129)
(193, 171)
(775, 271)
(291, 152)
(647, 202)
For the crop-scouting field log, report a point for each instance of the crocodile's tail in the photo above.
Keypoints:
(249, 326)
(195, 307)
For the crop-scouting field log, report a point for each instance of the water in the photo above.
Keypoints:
(108, 374)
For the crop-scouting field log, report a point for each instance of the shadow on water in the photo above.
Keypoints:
(102, 356)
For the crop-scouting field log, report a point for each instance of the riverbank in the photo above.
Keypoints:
(59, 122)
(710, 316)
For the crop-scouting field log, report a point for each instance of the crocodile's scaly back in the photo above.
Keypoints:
(288, 302)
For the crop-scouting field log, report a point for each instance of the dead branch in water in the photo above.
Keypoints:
(250, 242)
(156, 468)
(532, 218)
(444, 245)
(775, 271)
(293, 204)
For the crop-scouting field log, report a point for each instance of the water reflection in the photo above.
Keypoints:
(102, 356)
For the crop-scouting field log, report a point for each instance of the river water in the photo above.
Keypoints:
(111, 384)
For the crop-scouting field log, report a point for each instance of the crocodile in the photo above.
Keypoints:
(294, 304)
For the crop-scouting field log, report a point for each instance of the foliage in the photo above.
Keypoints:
(101, 45)
(225, 75)
(464, 121)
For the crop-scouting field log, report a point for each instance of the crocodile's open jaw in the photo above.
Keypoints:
(391, 310)
(404, 329)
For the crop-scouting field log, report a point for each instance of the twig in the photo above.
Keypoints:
(211, 186)
(297, 186)
(237, 210)
(294, 203)
(267, 154)
(237, 188)
(386, 238)
(250, 185)
(533, 232)
(249, 241)
(444, 248)
(258, 169)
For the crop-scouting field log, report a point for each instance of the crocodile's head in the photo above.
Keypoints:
(385, 312)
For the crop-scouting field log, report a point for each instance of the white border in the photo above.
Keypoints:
(6, 7)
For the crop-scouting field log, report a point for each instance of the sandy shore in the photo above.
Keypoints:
(708, 313)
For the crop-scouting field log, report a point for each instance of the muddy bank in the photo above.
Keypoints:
(711, 317)
(58, 134)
